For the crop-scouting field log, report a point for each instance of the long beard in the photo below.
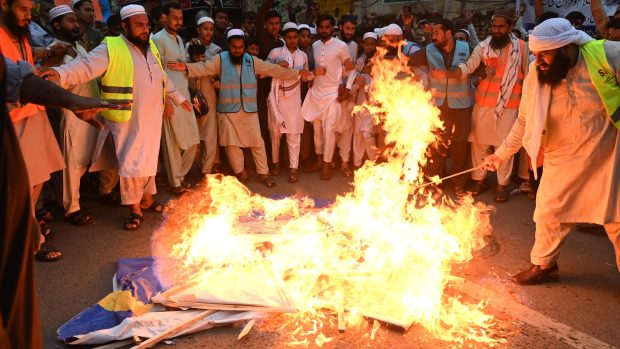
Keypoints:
(144, 44)
(236, 60)
(497, 43)
(558, 70)
(11, 23)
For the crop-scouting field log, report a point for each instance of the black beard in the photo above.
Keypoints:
(236, 60)
(14, 28)
(138, 42)
(346, 40)
(558, 69)
(324, 36)
(74, 35)
(499, 42)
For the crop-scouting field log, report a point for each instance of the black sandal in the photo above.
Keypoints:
(48, 253)
(479, 188)
(112, 198)
(46, 231)
(268, 182)
(502, 196)
(155, 207)
(133, 222)
(44, 215)
(80, 218)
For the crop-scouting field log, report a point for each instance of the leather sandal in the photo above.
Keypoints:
(478, 188)
(502, 195)
(292, 178)
(268, 182)
(536, 275)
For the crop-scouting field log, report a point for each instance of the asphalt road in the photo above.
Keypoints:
(582, 309)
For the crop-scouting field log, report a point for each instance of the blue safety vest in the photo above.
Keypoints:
(458, 91)
(235, 90)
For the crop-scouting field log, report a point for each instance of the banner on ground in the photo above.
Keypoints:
(564, 7)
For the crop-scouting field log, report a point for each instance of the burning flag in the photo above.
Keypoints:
(384, 251)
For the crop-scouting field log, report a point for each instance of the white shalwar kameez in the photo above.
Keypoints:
(344, 126)
(321, 106)
(180, 134)
(364, 142)
(77, 139)
(131, 146)
(581, 177)
(207, 124)
(284, 106)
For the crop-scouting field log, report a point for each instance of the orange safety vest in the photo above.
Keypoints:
(10, 51)
(489, 88)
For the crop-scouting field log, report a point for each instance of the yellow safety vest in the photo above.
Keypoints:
(603, 78)
(117, 82)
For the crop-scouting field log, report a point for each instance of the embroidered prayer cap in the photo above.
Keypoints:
(235, 33)
(59, 11)
(392, 29)
(132, 10)
(289, 26)
(205, 19)
(555, 33)
(370, 35)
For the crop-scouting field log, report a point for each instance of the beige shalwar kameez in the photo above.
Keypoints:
(580, 183)
(132, 147)
(180, 137)
(488, 130)
(77, 139)
(241, 129)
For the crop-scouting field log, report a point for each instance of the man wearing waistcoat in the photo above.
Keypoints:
(453, 98)
(571, 112)
(238, 125)
(130, 68)
(497, 97)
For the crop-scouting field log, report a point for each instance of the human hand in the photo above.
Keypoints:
(320, 71)
(468, 14)
(427, 28)
(283, 64)
(306, 75)
(49, 74)
(343, 92)
(491, 162)
(360, 80)
(176, 66)
(186, 105)
(86, 109)
(59, 49)
(168, 109)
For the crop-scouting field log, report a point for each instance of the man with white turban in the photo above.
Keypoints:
(570, 106)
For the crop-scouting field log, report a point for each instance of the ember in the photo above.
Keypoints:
(374, 253)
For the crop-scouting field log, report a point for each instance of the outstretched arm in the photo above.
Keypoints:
(83, 69)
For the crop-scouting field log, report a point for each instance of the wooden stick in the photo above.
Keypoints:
(447, 177)
(233, 307)
(173, 330)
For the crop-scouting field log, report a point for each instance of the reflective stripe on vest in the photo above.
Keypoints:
(603, 78)
(10, 51)
(117, 82)
(235, 90)
(489, 88)
(458, 90)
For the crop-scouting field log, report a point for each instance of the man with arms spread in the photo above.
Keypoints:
(238, 125)
(130, 68)
(570, 108)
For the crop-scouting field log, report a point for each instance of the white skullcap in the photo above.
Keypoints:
(235, 32)
(204, 20)
(392, 29)
(304, 26)
(555, 33)
(73, 3)
(131, 10)
(313, 30)
(370, 35)
(60, 11)
(289, 26)
(379, 32)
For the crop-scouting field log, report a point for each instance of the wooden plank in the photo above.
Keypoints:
(171, 332)
(230, 307)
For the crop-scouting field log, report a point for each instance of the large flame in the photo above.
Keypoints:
(383, 251)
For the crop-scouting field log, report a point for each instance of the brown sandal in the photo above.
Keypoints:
(292, 178)
(268, 182)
